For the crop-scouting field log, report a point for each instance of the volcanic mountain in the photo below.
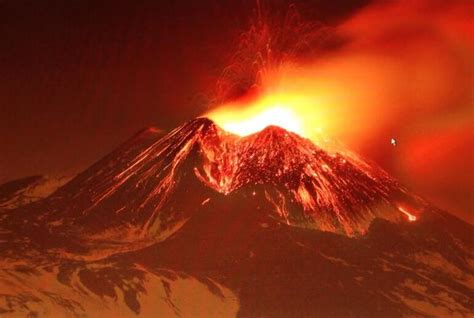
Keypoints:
(270, 224)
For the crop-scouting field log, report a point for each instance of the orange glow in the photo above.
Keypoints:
(410, 216)
(294, 110)
(278, 115)
(372, 86)
(275, 110)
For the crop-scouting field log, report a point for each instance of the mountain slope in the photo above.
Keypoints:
(309, 186)
(129, 191)
(23, 191)
(266, 225)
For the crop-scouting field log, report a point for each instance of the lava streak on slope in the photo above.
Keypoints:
(332, 191)
(147, 189)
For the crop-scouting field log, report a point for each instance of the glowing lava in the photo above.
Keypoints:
(291, 113)
(410, 216)
(278, 115)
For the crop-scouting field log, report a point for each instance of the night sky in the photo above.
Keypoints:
(80, 77)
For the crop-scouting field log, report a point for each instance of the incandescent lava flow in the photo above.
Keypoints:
(148, 188)
(309, 186)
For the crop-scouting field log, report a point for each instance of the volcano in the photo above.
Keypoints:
(201, 222)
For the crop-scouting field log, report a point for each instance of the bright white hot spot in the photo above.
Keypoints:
(277, 115)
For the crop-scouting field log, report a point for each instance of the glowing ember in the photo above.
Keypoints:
(410, 216)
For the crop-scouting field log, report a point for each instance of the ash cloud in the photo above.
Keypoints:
(399, 70)
(425, 54)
